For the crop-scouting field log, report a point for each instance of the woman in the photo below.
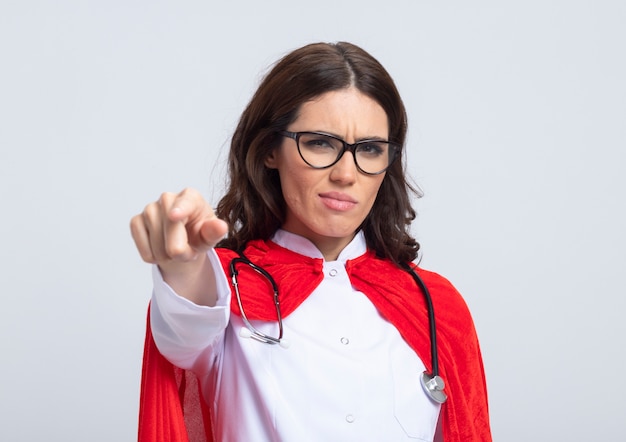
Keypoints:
(319, 200)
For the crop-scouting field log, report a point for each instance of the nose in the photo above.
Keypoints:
(344, 171)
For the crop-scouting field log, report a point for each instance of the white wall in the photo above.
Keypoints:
(517, 136)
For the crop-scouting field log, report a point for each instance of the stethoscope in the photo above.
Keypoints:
(432, 383)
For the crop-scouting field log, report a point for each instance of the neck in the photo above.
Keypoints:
(330, 247)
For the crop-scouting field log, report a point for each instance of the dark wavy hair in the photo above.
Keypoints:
(254, 207)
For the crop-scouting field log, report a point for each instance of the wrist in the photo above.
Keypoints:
(192, 279)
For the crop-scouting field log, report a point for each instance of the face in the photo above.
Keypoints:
(328, 205)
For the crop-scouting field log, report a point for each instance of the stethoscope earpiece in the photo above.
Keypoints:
(433, 386)
(245, 332)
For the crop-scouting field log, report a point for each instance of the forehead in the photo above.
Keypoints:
(345, 112)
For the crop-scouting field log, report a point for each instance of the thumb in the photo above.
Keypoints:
(212, 231)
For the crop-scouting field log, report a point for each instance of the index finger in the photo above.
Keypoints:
(187, 206)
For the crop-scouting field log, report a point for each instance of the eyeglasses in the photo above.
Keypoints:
(320, 151)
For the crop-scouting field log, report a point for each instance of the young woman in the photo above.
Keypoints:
(297, 304)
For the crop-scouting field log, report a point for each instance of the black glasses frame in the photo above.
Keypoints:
(393, 149)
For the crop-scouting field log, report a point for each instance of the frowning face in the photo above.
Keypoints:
(327, 206)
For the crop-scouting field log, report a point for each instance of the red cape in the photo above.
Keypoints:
(171, 408)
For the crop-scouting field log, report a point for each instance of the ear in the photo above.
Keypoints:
(271, 162)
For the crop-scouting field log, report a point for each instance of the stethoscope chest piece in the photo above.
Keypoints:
(433, 386)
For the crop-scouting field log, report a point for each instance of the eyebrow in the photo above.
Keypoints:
(368, 138)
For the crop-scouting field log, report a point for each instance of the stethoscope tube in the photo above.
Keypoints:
(251, 331)
(432, 383)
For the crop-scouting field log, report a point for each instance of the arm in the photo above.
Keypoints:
(184, 331)
(191, 294)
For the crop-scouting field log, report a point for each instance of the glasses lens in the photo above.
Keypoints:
(374, 156)
(319, 150)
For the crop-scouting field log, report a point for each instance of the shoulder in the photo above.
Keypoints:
(225, 256)
(438, 283)
(449, 304)
(254, 248)
(385, 276)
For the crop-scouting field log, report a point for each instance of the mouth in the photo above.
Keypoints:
(338, 201)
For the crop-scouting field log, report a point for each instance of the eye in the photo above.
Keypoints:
(318, 142)
(373, 148)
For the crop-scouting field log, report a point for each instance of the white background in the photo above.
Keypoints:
(517, 115)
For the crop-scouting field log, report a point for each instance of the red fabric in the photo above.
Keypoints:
(391, 290)
(465, 413)
(296, 276)
(170, 408)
